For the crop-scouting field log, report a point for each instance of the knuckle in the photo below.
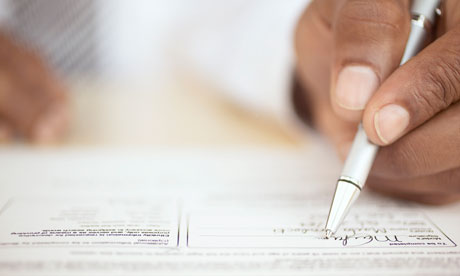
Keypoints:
(398, 161)
(448, 72)
(428, 97)
(441, 88)
(388, 16)
(403, 159)
(308, 25)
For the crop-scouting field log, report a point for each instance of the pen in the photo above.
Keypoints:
(362, 153)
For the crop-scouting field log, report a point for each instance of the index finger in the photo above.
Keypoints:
(369, 40)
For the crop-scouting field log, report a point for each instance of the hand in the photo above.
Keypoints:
(32, 102)
(348, 55)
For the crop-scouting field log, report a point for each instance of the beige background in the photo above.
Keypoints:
(180, 112)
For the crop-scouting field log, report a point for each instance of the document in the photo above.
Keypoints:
(89, 222)
(300, 224)
(171, 213)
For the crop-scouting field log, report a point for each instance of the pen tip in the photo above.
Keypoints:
(328, 233)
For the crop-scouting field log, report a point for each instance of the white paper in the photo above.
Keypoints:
(206, 213)
(299, 223)
(29, 222)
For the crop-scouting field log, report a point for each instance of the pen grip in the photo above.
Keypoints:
(360, 159)
(417, 38)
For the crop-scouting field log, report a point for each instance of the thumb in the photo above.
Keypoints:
(415, 92)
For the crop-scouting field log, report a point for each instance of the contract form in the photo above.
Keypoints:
(216, 212)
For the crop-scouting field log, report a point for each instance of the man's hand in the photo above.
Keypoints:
(32, 102)
(348, 55)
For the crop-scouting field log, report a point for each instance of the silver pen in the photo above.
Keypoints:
(363, 152)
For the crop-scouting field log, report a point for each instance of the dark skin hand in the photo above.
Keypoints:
(33, 104)
(348, 55)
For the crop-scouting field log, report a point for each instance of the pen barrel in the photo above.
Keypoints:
(363, 152)
(417, 38)
(360, 159)
(423, 18)
(425, 8)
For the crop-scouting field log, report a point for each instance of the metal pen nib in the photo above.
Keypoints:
(362, 152)
(352, 179)
(345, 194)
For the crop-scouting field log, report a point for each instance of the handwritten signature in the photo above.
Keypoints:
(360, 240)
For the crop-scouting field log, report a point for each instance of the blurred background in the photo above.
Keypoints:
(167, 73)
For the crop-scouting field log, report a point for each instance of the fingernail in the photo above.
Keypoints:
(355, 86)
(49, 125)
(390, 122)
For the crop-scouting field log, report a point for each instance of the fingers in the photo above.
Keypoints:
(51, 125)
(369, 40)
(418, 90)
(32, 101)
(339, 132)
(35, 111)
(450, 18)
(431, 148)
(438, 188)
(313, 48)
(6, 132)
(416, 112)
(313, 40)
(32, 111)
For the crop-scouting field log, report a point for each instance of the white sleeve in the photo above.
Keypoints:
(245, 49)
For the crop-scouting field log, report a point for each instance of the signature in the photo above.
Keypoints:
(360, 240)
